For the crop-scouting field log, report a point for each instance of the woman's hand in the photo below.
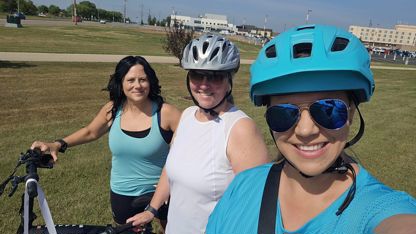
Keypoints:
(140, 219)
(47, 147)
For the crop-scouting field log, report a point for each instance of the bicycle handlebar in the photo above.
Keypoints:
(33, 159)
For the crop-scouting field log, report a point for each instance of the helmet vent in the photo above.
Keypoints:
(303, 28)
(224, 46)
(271, 52)
(205, 47)
(214, 53)
(339, 44)
(302, 50)
(195, 53)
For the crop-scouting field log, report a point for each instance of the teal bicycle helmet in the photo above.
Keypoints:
(312, 58)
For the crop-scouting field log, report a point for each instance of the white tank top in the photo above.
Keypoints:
(198, 169)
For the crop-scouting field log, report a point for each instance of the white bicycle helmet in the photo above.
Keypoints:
(211, 52)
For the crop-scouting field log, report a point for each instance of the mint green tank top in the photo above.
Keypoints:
(136, 162)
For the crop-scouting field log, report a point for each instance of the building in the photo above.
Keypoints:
(402, 37)
(207, 22)
(218, 23)
(255, 31)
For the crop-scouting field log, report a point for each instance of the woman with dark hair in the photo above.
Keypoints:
(140, 127)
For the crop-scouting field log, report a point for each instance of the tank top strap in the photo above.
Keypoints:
(155, 122)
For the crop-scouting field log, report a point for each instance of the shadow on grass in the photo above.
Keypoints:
(15, 65)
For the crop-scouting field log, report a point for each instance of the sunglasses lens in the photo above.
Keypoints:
(212, 77)
(281, 118)
(196, 76)
(329, 113)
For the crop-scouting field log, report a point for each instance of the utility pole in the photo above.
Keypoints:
(125, 1)
(18, 6)
(307, 16)
(75, 18)
(141, 13)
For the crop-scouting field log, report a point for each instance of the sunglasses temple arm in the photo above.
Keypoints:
(360, 131)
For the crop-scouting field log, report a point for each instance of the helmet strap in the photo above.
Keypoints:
(211, 110)
(360, 133)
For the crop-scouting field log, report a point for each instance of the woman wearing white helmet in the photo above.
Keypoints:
(312, 80)
(214, 140)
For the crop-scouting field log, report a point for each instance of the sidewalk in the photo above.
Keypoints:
(55, 57)
(107, 58)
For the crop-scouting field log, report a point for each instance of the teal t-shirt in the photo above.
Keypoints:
(136, 162)
(238, 210)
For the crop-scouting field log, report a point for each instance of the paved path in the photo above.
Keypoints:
(55, 57)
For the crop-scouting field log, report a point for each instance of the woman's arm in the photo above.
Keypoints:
(246, 147)
(397, 224)
(98, 127)
(160, 196)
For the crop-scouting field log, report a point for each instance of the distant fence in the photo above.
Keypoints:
(391, 58)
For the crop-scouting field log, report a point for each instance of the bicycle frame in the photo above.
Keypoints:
(34, 160)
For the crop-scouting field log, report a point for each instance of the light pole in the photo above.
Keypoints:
(264, 26)
(307, 16)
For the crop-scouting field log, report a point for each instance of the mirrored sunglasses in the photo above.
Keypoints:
(328, 113)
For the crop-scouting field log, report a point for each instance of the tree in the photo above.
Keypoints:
(54, 10)
(176, 40)
(8, 6)
(28, 7)
(43, 9)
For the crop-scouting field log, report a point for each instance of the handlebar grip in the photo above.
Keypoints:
(118, 229)
(123, 227)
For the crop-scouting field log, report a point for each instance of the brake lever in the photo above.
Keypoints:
(15, 182)
(3, 185)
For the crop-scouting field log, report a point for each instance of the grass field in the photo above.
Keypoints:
(92, 38)
(50, 100)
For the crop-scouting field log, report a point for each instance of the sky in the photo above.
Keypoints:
(278, 15)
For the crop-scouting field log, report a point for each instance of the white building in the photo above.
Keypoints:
(401, 37)
(206, 22)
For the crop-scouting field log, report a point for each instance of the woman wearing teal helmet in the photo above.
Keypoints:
(312, 79)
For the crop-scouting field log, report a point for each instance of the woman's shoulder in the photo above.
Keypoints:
(253, 175)
(169, 109)
(382, 200)
(106, 109)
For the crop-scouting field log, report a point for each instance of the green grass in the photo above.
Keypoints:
(92, 38)
(81, 39)
(50, 100)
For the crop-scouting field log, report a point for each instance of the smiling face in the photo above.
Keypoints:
(208, 88)
(309, 146)
(136, 85)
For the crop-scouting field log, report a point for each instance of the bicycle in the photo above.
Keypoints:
(33, 159)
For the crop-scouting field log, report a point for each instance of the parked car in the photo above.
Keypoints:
(103, 21)
(379, 50)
